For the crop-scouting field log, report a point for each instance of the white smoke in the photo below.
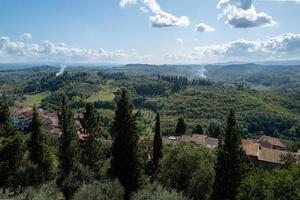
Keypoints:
(61, 70)
(201, 73)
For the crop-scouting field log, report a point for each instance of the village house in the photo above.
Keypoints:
(21, 117)
(266, 152)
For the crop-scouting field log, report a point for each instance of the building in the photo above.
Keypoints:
(266, 152)
(274, 143)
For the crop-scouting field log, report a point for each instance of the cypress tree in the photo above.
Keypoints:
(39, 153)
(157, 146)
(124, 149)
(90, 137)
(214, 129)
(180, 127)
(12, 148)
(231, 161)
(198, 130)
(67, 140)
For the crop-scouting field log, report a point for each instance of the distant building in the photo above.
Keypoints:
(265, 152)
(274, 143)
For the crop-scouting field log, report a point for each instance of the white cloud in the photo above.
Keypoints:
(124, 3)
(179, 40)
(49, 51)
(243, 14)
(285, 46)
(26, 36)
(160, 18)
(294, 1)
(204, 28)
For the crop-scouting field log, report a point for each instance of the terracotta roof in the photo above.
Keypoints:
(270, 155)
(275, 141)
(250, 147)
(195, 138)
(18, 111)
(211, 142)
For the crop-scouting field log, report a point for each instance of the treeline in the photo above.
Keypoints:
(87, 166)
(53, 82)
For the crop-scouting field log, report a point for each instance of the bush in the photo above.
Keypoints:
(109, 190)
(75, 179)
(157, 192)
(47, 191)
(188, 169)
(280, 184)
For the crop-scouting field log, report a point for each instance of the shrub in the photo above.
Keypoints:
(47, 191)
(109, 190)
(188, 169)
(157, 192)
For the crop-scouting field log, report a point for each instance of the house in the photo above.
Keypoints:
(20, 117)
(274, 143)
(265, 152)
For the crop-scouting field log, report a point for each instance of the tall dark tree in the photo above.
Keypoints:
(198, 129)
(124, 149)
(157, 145)
(231, 162)
(90, 137)
(67, 140)
(12, 149)
(180, 127)
(39, 153)
(214, 129)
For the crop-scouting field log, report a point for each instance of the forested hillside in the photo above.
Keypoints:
(198, 100)
(110, 127)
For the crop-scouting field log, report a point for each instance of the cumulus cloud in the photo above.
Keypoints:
(179, 40)
(124, 3)
(285, 46)
(49, 51)
(204, 28)
(160, 18)
(26, 36)
(243, 14)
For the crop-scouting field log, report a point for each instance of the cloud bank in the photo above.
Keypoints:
(243, 14)
(159, 18)
(49, 51)
(285, 46)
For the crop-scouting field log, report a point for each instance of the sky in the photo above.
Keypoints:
(149, 31)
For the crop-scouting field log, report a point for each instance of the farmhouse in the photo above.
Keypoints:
(266, 152)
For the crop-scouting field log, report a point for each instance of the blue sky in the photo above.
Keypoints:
(149, 31)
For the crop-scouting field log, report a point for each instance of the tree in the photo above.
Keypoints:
(288, 160)
(39, 153)
(91, 136)
(188, 169)
(256, 186)
(198, 130)
(281, 184)
(231, 162)
(214, 129)
(157, 145)
(180, 127)
(67, 142)
(12, 149)
(124, 162)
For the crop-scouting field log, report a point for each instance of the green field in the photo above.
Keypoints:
(34, 99)
(103, 95)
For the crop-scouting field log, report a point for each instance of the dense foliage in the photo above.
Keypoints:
(189, 169)
(118, 151)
